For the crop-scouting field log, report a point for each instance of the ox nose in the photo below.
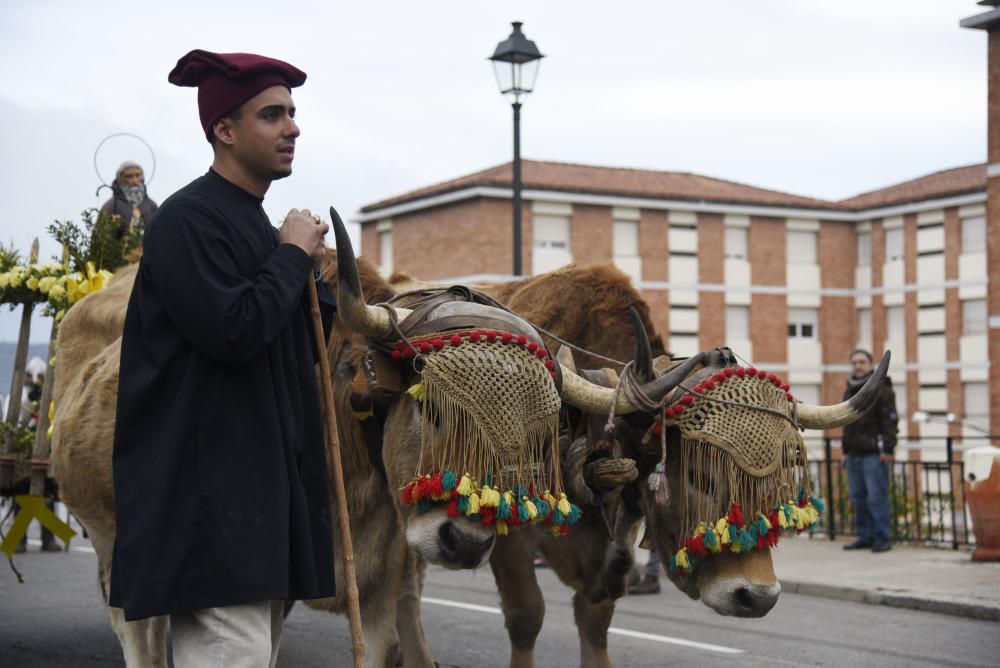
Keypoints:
(756, 600)
(461, 549)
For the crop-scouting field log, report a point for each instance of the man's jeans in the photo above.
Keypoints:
(868, 481)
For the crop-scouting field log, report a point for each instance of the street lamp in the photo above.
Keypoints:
(515, 63)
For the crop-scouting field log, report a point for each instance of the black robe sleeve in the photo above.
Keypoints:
(224, 315)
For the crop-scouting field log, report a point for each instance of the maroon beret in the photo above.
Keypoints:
(227, 80)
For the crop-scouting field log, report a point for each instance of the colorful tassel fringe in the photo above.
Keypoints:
(488, 505)
(731, 534)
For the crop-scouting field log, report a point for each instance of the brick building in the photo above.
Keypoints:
(791, 283)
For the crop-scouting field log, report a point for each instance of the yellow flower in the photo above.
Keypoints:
(45, 284)
(4, 280)
(15, 280)
(57, 291)
(32, 283)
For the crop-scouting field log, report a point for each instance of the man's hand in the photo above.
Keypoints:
(886, 458)
(306, 231)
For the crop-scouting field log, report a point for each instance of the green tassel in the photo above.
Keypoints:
(818, 504)
(542, 505)
(761, 526)
(711, 540)
(423, 505)
(574, 513)
(448, 480)
(557, 516)
(503, 510)
(463, 504)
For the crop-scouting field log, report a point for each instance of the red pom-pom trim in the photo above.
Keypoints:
(456, 340)
(396, 355)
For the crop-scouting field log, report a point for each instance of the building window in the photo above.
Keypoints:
(626, 239)
(974, 234)
(864, 249)
(974, 316)
(385, 251)
(894, 244)
(737, 323)
(551, 232)
(977, 403)
(895, 321)
(801, 247)
(865, 328)
(736, 243)
(802, 323)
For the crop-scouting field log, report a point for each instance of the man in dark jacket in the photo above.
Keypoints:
(220, 470)
(868, 446)
(130, 205)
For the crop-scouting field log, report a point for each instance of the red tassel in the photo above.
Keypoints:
(488, 514)
(396, 355)
(453, 508)
(736, 515)
(435, 486)
(696, 545)
(407, 495)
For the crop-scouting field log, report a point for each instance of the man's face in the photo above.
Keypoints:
(861, 364)
(131, 176)
(264, 135)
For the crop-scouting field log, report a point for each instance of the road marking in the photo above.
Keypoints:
(621, 632)
(463, 606)
(34, 542)
(675, 641)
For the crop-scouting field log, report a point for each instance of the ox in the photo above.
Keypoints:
(593, 560)
(388, 537)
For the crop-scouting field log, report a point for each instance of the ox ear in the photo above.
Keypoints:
(565, 357)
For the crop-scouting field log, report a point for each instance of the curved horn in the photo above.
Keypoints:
(846, 412)
(581, 393)
(643, 361)
(370, 321)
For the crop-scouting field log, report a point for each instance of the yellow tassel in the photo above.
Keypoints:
(782, 521)
(416, 391)
(556, 531)
(564, 504)
(465, 485)
(489, 497)
(508, 496)
(530, 507)
(549, 499)
(501, 527)
(735, 548)
(682, 559)
(722, 529)
(473, 504)
(699, 530)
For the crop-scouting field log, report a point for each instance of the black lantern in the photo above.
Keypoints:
(515, 63)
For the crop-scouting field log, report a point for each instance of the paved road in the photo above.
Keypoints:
(56, 619)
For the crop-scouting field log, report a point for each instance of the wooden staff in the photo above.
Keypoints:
(353, 606)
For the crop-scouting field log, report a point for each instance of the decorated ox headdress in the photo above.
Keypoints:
(741, 447)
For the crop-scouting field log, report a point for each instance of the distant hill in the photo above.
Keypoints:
(7, 350)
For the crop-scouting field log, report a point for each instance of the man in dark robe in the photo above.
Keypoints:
(220, 469)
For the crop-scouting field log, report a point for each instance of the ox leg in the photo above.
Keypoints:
(378, 618)
(592, 622)
(412, 644)
(521, 599)
(156, 638)
(134, 637)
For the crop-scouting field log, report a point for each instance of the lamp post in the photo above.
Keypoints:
(515, 63)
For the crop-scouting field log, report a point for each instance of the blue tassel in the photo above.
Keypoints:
(818, 504)
(557, 516)
(542, 505)
(423, 505)
(574, 513)
(522, 512)
(503, 510)
(463, 504)
(448, 480)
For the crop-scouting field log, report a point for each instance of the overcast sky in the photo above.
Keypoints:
(818, 98)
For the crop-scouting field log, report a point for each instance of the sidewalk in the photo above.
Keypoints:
(922, 578)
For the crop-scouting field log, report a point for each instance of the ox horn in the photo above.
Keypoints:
(846, 412)
(370, 321)
(581, 393)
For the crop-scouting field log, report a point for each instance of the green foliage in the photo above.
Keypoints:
(9, 257)
(95, 239)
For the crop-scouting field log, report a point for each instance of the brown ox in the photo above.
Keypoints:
(589, 560)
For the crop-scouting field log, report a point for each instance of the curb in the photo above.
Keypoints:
(971, 609)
